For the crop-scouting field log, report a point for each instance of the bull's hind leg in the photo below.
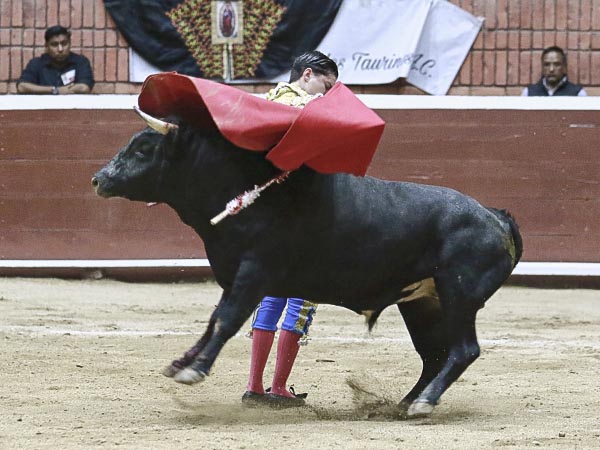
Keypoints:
(425, 322)
(463, 350)
(462, 292)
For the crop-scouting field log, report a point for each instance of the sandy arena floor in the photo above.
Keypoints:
(80, 364)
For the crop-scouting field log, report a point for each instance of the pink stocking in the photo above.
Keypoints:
(287, 349)
(262, 341)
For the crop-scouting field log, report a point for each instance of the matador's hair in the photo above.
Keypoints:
(315, 60)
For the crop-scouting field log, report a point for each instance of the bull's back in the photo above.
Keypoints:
(367, 232)
(398, 211)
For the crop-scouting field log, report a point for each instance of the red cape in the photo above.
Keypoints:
(334, 133)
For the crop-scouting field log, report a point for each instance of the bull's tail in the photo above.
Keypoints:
(372, 318)
(506, 217)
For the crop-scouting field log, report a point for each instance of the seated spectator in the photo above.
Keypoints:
(554, 77)
(58, 71)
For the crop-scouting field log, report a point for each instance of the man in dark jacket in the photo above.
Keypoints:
(58, 71)
(554, 77)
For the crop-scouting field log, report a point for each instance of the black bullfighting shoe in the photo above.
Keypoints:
(282, 402)
(254, 399)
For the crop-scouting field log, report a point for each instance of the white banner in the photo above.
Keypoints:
(139, 68)
(373, 42)
(379, 41)
(446, 39)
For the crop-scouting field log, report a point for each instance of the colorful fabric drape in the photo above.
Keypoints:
(175, 35)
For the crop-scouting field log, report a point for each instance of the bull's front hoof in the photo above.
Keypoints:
(170, 371)
(419, 409)
(189, 376)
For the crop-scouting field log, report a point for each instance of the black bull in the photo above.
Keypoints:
(357, 242)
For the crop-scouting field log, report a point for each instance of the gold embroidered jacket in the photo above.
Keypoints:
(290, 94)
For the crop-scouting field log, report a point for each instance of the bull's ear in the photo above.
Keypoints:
(156, 124)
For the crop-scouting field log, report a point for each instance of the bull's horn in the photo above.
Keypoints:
(156, 124)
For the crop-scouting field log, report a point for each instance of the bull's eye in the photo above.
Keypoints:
(143, 151)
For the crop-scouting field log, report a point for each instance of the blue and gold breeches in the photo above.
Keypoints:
(298, 316)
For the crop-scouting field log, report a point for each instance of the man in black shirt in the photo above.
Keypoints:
(58, 71)
(554, 77)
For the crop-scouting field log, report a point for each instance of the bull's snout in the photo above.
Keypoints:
(97, 186)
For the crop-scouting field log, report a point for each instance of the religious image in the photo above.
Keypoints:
(227, 22)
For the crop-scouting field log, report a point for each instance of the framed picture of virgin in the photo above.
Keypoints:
(227, 19)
